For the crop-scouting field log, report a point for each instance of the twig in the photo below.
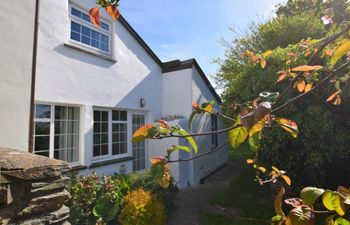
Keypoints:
(312, 58)
(334, 73)
(200, 155)
(200, 134)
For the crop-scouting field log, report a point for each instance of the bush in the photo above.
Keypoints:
(142, 208)
(95, 199)
(146, 181)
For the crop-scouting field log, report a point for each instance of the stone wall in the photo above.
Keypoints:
(32, 189)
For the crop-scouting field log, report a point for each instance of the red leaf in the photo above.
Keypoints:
(94, 14)
(282, 76)
(195, 105)
(113, 11)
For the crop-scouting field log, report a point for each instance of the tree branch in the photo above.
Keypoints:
(200, 155)
(334, 73)
(325, 42)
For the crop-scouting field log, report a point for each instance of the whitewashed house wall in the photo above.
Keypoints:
(69, 76)
(17, 38)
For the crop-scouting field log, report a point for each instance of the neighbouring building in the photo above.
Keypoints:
(95, 87)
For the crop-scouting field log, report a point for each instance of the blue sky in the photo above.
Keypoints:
(183, 29)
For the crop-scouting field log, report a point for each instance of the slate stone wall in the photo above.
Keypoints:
(32, 189)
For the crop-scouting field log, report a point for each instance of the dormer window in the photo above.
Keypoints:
(83, 32)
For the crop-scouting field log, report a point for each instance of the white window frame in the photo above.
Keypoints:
(110, 122)
(51, 120)
(92, 27)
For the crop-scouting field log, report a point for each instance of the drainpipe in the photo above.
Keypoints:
(32, 93)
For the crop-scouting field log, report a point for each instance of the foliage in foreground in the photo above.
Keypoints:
(142, 208)
(99, 200)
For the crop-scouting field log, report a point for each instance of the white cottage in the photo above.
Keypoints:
(94, 87)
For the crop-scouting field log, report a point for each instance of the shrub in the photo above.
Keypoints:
(95, 199)
(142, 208)
(146, 181)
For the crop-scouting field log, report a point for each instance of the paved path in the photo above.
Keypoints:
(193, 201)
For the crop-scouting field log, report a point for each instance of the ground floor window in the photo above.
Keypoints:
(138, 148)
(56, 132)
(110, 132)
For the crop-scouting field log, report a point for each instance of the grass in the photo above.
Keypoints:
(245, 197)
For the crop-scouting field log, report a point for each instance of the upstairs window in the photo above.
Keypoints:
(84, 32)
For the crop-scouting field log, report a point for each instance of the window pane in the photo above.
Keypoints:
(123, 115)
(76, 13)
(86, 31)
(85, 40)
(42, 111)
(42, 143)
(115, 149)
(97, 150)
(86, 17)
(61, 112)
(61, 127)
(95, 35)
(115, 115)
(94, 43)
(104, 149)
(43, 153)
(42, 128)
(105, 116)
(75, 27)
(138, 148)
(104, 26)
(75, 36)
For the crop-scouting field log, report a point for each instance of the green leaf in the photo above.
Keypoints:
(190, 120)
(341, 221)
(311, 194)
(189, 139)
(278, 203)
(237, 136)
(333, 202)
(276, 218)
(341, 50)
(255, 141)
(181, 147)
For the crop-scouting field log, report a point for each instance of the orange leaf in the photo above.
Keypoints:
(282, 77)
(308, 87)
(163, 124)
(94, 14)
(287, 180)
(113, 11)
(250, 161)
(306, 68)
(337, 101)
(330, 98)
(157, 160)
(195, 105)
(263, 63)
(142, 133)
(300, 85)
(329, 52)
(254, 58)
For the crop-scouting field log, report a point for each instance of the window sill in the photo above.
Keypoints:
(110, 161)
(77, 167)
(81, 49)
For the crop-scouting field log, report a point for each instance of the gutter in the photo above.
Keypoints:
(32, 92)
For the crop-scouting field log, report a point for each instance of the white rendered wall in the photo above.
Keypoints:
(204, 165)
(69, 76)
(16, 39)
(177, 93)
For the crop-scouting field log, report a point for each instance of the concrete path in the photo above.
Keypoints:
(194, 201)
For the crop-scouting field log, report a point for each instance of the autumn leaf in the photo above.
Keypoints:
(282, 76)
(113, 11)
(340, 51)
(300, 85)
(237, 136)
(250, 161)
(94, 14)
(267, 53)
(278, 202)
(289, 126)
(329, 52)
(306, 68)
(142, 133)
(337, 101)
(263, 63)
(330, 98)
(287, 180)
(308, 87)
(195, 105)
(333, 202)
